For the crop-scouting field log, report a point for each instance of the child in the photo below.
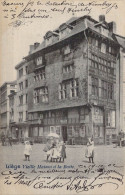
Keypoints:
(27, 150)
(90, 150)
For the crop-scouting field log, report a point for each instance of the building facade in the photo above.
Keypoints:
(72, 87)
(121, 41)
(21, 125)
(5, 90)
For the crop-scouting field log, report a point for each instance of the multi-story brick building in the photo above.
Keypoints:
(72, 85)
(21, 125)
(5, 90)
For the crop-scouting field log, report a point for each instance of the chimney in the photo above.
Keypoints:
(31, 49)
(36, 45)
(102, 18)
(112, 27)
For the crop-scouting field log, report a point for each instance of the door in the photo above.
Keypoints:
(64, 133)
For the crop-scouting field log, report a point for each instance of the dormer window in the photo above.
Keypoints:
(64, 29)
(50, 37)
(39, 60)
(67, 50)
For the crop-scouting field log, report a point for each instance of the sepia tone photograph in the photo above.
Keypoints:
(62, 97)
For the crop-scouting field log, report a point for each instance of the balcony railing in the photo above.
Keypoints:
(58, 121)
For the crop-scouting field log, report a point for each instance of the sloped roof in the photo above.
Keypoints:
(121, 40)
(79, 27)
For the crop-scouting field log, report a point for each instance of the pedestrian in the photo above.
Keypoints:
(63, 151)
(27, 150)
(10, 140)
(3, 139)
(90, 150)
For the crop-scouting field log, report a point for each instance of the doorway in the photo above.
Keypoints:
(64, 133)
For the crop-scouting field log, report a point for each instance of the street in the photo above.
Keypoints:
(104, 155)
(108, 160)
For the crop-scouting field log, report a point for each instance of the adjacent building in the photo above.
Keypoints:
(5, 90)
(21, 125)
(73, 88)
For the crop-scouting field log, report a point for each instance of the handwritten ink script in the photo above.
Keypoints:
(79, 179)
(22, 12)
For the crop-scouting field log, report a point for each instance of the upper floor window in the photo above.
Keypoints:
(64, 32)
(21, 100)
(26, 83)
(41, 94)
(110, 91)
(68, 68)
(26, 69)
(21, 72)
(21, 86)
(95, 86)
(26, 98)
(62, 91)
(103, 48)
(40, 74)
(39, 60)
(104, 89)
(20, 116)
(74, 88)
(67, 50)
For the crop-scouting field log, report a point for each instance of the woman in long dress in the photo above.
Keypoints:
(90, 150)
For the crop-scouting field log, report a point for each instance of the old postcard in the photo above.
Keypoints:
(62, 97)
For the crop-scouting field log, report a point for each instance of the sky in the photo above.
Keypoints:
(15, 41)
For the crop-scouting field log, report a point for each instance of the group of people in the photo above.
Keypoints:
(55, 151)
(6, 140)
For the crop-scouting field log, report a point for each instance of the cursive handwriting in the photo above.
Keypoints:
(84, 178)
(21, 11)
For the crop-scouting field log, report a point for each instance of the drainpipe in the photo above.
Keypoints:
(88, 76)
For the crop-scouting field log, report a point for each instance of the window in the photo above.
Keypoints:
(39, 75)
(26, 115)
(20, 116)
(36, 96)
(20, 72)
(103, 48)
(21, 100)
(21, 85)
(74, 88)
(44, 94)
(83, 113)
(95, 42)
(67, 50)
(104, 89)
(62, 91)
(83, 131)
(26, 69)
(39, 61)
(97, 131)
(41, 94)
(26, 83)
(110, 91)
(68, 68)
(26, 98)
(110, 118)
(94, 86)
